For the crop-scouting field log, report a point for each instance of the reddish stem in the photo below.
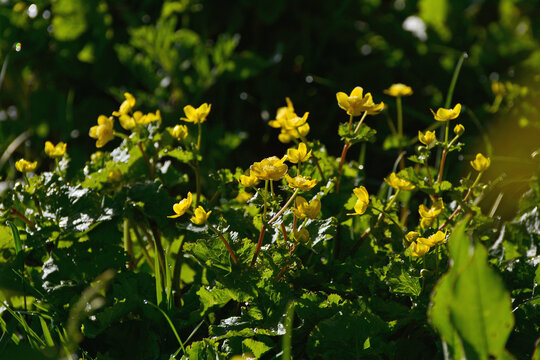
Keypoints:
(341, 162)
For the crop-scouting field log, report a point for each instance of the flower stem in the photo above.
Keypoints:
(315, 158)
(199, 136)
(21, 216)
(441, 169)
(453, 82)
(458, 209)
(197, 182)
(128, 246)
(350, 124)
(146, 160)
(399, 117)
(346, 147)
(34, 197)
(263, 228)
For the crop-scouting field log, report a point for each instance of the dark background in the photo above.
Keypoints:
(77, 57)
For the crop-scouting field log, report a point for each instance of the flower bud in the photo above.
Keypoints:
(459, 129)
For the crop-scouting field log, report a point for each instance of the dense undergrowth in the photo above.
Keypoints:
(336, 227)
(131, 257)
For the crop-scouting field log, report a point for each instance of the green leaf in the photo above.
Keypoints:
(69, 21)
(481, 309)
(365, 133)
(471, 308)
(401, 282)
(257, 348)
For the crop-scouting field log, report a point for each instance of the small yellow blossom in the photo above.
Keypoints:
(300, 182)
(243, 197)
(302, 236)
(127, 122)
(196, 115)
(398, 183)
(428, 138)
(248, 180)
(355, 103)
(282, 113)
(498, 88)
(181, 207)
(292, 126)
(286, 136)
(25, 166)
(298, 155)
(148, 118)
(95, 157)
(433, 211)
(443, 114)
(127, 105)
(418, 249)
(55, 151)
(481, 162)
(271, 168)
(398, 90)
(304, 209)
(363, 201)
(427, 222)
(459, 129)
(115, 176)
(438, 238)
(200, 216)
(103, 131)
(180, 132)
(412, 236)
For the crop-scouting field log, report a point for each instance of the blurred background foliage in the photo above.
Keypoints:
(67, 61)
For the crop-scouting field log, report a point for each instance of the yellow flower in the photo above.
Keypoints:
(438, 238)
(428, 138)
(126, 106)
(426, 222)
(249, 180)
(286, 136)
(196, 115)
(412, 236)
(148, 118)
(200, 216)
(243, 197)
(292, 126)
(300, 182)
(181, 207)
(355, 104)
(398, 183)
(103, 131)
(399, 90)
(282, 113)
(54, 151)
(25, 166)
(447, 114)
(418, 249)
(459, 129)
(180, 132)
(481, 162)
(363, 201)
(115, 176)
(127, 122)
(301, 235)
(295, 156)
(433, 211)
(498, 88)
(304, 209)
(271, 168)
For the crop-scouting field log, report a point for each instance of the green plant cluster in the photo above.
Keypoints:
(103, 262)
(322, 230)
